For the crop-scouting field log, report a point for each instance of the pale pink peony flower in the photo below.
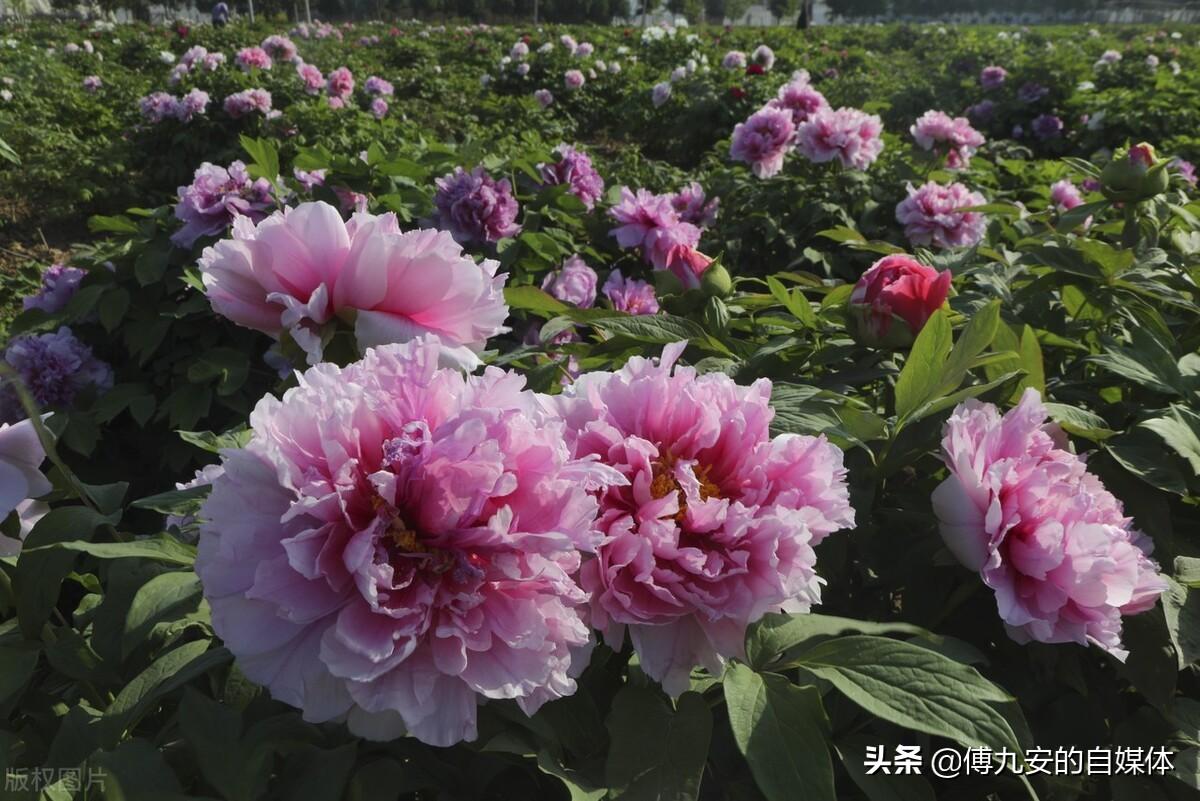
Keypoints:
(717, 523)
(734, 60)
(193, 104)
(247, 101)
(799, 98)
(92, 83)
(763, 140)
(249, 58)
(1065, 195)
(573, 79)
(299, 269)
(314, 81)
(764, 57)
(543, 97)
(156, 107)
(279, 47)
(21, 479)
(574, 283)
(630, 295)
(340, 83)
(1063, 559)
(661, 93)
(650, 222)
(851, 136)
(952, 136)
(929, 216)
(397, 543)
(691, 206)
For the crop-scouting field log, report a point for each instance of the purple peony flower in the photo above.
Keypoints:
(1032, 92)
(1047, 126)
(574, 167)
(59, 284)
(216, 197)
(764, 57)
(309, 179)
(1065, 195)
(379, 108)
(92, 83)
(763, 140)
(982, 111)
(993, 77)
(689, 203)
(247, 101)
(54, 367)
(734, 60)
(575, 283)
(630, 295)
(543, 97)
(279, 47)
(661, 93)
(1186, 170)
(476, 208)
(193, 104)
(156, 107)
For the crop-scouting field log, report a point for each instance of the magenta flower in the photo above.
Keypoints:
(193, 104)
(575, 283)
(851, 136)
(763, 140)
(574, 168)
(799, 98)
(418, 561)
(476, 208)
(379, 108)
(59, 284)
(630, 295)
(689, 203)
(893, 300)
(299, 269)
(649, 221)
(248, 101)
(55, 367)
(340, 83)
(1063, 559)
(314, 81)
(993, 77)
(378, 86)
(253, 58)
(929, 216)
(573, 79)
(216, 197)
(1186, 170)
(953, 136)
(716, 524)
(279, 47)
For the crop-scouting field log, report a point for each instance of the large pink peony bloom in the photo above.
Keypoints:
(340, 83)
(249, 58)
(717, 524)
(763, 140)
(952, 136)
(397, 543)
(1043, 532)
(649, 221)
(299, 269)
(929, 216)
(799, 98)
(312, 77)
(851, 136)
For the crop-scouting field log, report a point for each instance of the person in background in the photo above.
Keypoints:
(220, 14)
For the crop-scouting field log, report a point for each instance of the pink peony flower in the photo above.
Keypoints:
(253, 58)
(894, 299)
(716, 524)
(378, 86)
(248, 101)
(474, 207)
(763, 140)
(279, 47)
(938, 131)
(397, 543)
(575, 283)
(689, 203)
(543, 97)
(156, 107)
(630, 295)
(851, 136)
(92, 83)
(649, 221)
(929, 217)
(340, 83)
(799, 98)
(1064, 561)
(993, 77)
(688, 265)
(299, 269)
(1065, 195)
(193, 104)
(573, 79)
(312, 77)
(574, 168)
(216, 197)
(379, 108)
(309, 179)
(734, 60)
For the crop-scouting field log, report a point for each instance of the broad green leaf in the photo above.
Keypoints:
(160, 598)
(782, 731)
(915, 688)
(1142, 453)
(658, 753)
(40, 571)
(777, 633)
(577, 786)
(160, 548)
(1080, 422)
(1180, 429)
(1181, 607)
(17, 662)
(924, 368)
(1187, 571)
(531, 298)
(265, 156)
(978, 333)
(325, 774)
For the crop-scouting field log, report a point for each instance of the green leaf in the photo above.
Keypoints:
(777, 633)
(1146, 361)
(1080, 422)
(1187, 571)
(531, 298)
(794, 302)
(782, 731)
(215, 443)
(842, 234)
(170, 672)
(577, 786)
(1142, 454)
(658, 753)
(17, 663)
(160, 548)
(119, 224)
(113, 306)
(40, 572)
(213, 731)
(1180, 429)
(924, 368)
(658, 329)
(325, 774)
(1181, 607)
(915, 688)
(160, 598)
(175, 502)
(265, 156)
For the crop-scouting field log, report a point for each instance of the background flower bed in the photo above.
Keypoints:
(110, 643)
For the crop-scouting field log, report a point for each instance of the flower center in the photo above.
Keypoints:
(663, 483)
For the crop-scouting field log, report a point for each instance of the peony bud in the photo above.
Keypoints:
(894, 299)
(1134, 174)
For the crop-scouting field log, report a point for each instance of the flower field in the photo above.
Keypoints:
(409, 411)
